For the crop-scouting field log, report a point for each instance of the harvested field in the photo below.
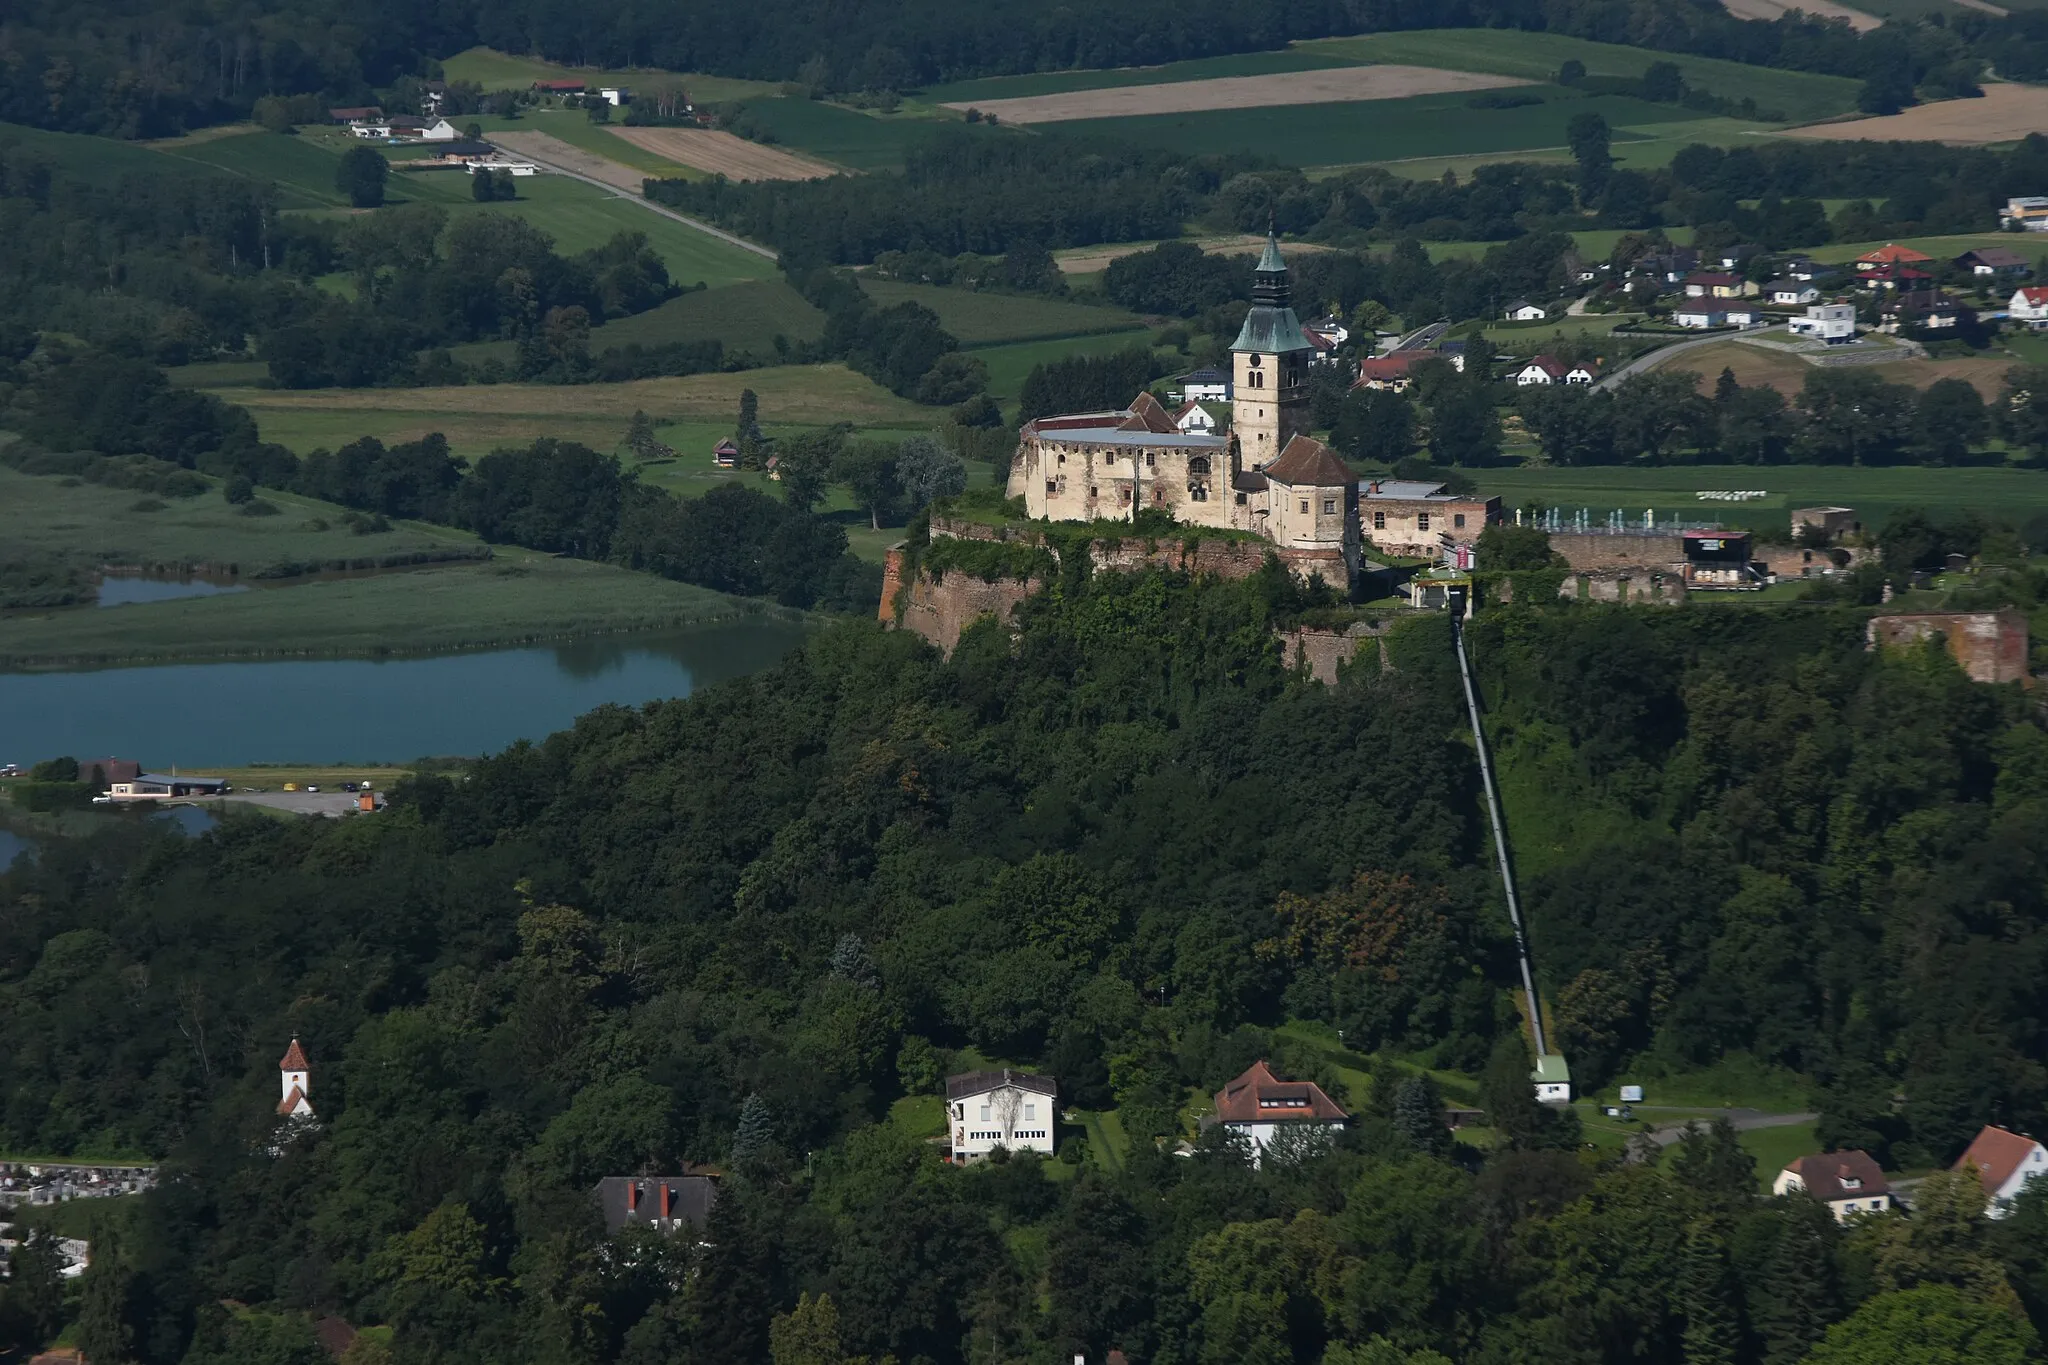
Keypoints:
(1819, 9)
(2005, 114)
(735, 158)
(1087, 260)
(1343, 84)
(1787, 373)
(550, 148)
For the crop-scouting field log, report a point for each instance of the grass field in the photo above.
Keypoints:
(865, 142)
(93, 160)
(1647, 147)
(302, 166)
(574, 127)
(1537, 56)
(481, 417)
(2009, 493)
(746, 317)
(1941, 248)
(1112, 78)
(989, 319)
(1383, 130)
(496, 70)
(1009, 366)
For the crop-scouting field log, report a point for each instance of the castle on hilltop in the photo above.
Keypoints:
(1268, 476)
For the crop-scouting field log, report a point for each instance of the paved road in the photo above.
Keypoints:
(1743, 1120)
(1656, 358)
(644, 202)
(1422, 338)
(329, 803)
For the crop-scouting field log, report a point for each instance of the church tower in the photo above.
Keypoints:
(296, 1078)
(1269, 368)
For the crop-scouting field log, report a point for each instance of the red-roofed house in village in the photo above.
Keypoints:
(295, 1078)
(2029, 307)
(1394, 371)
(2004, 1161)
(1259, 1106)
(1849, 1183)
(1890, 254)
(1548, 369)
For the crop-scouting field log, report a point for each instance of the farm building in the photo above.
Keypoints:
(725, 455)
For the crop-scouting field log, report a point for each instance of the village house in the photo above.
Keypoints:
(1890, 256)
(2005, 1162)
(1804, 268)
(615, 95)
(295, 1082)
(1415, 519)
(2028, 211)
(1521, 310)
(1016, 1110)
(1194, 417)
(1926, 308)
(1894, 277)
(374, 129)
(1717, 284)
(666, 1203)
(1993, 261)
(1737, 256)
(1553, 1079)
(519, 168)
(725, 455)
(1258, 1106)
(1205, 386)
(1548, 369)
(1700, 316)
(1791, 293)
(2029, 307)
(1388, 371)
(1834, 323)
(1267, 476)
(1849, 1183)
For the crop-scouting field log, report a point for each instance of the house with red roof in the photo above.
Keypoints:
(1389, 371)
(1890, 254)
(1548, 369)
(1849, 1183)
(2029, 307)
(725, 455)
(2004, 1161)
(1259, 1106)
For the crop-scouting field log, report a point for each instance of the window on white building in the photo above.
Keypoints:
(1304, 506)
(1422, 521)
(985, 1113)
(1329, 506)
(1379, 521)
(1458, 520)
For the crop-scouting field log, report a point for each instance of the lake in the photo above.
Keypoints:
(12, 844)
(364, 710)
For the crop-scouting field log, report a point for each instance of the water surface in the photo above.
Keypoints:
(363, 710)
(121, 590)
(13, 845)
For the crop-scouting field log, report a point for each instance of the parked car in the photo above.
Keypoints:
(103, 800)
(312, 786)
(348, 786)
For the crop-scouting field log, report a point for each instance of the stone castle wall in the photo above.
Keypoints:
(1990, 645)
(1591, 552)
(1323, 651)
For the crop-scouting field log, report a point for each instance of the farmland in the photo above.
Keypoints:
(1296, 58)
(1537, 56)
(502, 71)
(93, 160)
(478, 418)
(586, 150)
(746, 317)
(1786, 372)
(1767, 10)
(864, 142)
(718, 153)
(985, 319)
(1329, 86)
(1385, 130)
(2005, 113)
(1009, 366)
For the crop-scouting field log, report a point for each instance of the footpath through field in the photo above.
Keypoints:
(560, 157)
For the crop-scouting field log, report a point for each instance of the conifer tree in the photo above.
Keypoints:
(1419, 1115)
(1792, 1305)
(756, 1133)
(1704, 1299)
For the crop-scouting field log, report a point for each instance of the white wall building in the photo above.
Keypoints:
(990, 1109)
(1259, 1106)
(1833, 323)
(2005, 1162)
(1849, 1183)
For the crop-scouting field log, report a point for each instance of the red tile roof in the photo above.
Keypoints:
(1387, 367)
(294, 1058)
(1996, 1154)
(1258, 1096)
(1891, 253)
(290, 1103)
(1149, 414)
(1307, 462)
(2035, 296)
(1825, 1175)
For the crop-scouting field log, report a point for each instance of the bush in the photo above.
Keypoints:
(45, 797)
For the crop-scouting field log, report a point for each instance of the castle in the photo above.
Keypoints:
(1268, 476)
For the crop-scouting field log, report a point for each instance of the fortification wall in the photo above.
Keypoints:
(1325, 650)
(941, 611)
(1990, 645)
(1590, 551)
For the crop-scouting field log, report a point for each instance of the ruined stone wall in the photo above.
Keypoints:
(940, 611)
(892, 583)
(1324, 650)
(1990, 645)
(1662, 588)
(1795, 561)
(1590, 552)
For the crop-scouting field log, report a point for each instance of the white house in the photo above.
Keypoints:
(1205, 386)
(1553, 1079)
(1521, 310)
(2030, 212)
(1547, 369)
(515, 167)
(440, 130)
(1849, 1183)
(1791, 293)
(1194, 417)
(2004, 1161)
(371, 129)
(1700, 315)
(2030, 306)
(991, 1109)
(1834, 323)
(614, 95)
(1259, 1106)
(295, 1079)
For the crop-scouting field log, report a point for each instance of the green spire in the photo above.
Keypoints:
(1270, 262)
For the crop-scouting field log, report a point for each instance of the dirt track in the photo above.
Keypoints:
(2006, 113)
(1819, 9)
(1332, 86)
(735, 158)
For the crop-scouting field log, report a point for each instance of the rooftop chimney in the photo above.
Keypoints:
(664, 1201)
(632, 1196)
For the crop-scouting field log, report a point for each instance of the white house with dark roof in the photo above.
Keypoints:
(1017, 1110)
(2005, 1162)
(1205, 386)
(1849, 1183)
(1521, 310)
(666, 1203)
(1193, 417)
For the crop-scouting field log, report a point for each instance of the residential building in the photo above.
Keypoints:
(667, 1203)
(1791, 293)
(1553, 1079)
(1259, 1106)
(1331, 326)
(1834, 323)
(1737, 256)
(1700, 316)
(2005, 1162)
(440, 130)
(615, 95)
(1521, 310)
(1894, 277)
(1717, 284)
(1016, 1110)
(1205, 386)
(1994, 260)
(2029, 307)
(370, 129)
(1548, 369)
(1849, 1183)
(1453, 351)
(1890, 255)
(295, 1084)
(361, 113)
(1194, 417)
(1388, 371)
(1804, 268)
(519, 168)
(1267, 475)
(1322, 350)
(1415, 519)
(1927, 309)
(2029, 212)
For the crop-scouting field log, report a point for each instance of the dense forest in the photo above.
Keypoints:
(1125, 847)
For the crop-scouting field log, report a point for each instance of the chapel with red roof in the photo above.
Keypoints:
(1267, 475)
(296, 1078)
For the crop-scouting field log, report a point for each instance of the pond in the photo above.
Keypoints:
(13, 845)
(363, 710)
(125, 589)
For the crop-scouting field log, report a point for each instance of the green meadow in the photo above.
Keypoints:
(93, 160)
(1009, 366)
(747, 317)
(864, 142)
(1297, 58)
(1361, 131)
(495, 70)
(978, 319)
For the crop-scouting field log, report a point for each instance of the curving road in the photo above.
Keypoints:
(1657, 357)
(557, 163)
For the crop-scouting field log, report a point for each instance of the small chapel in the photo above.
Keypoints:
(294, 1074)
(1267, 475)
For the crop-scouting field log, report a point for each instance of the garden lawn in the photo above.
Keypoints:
(1362, 131)
(977, 319)
(1537, 56)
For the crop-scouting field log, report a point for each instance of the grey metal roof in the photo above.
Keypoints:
(1407, 490)
(1111, 436)
(979, 1082)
